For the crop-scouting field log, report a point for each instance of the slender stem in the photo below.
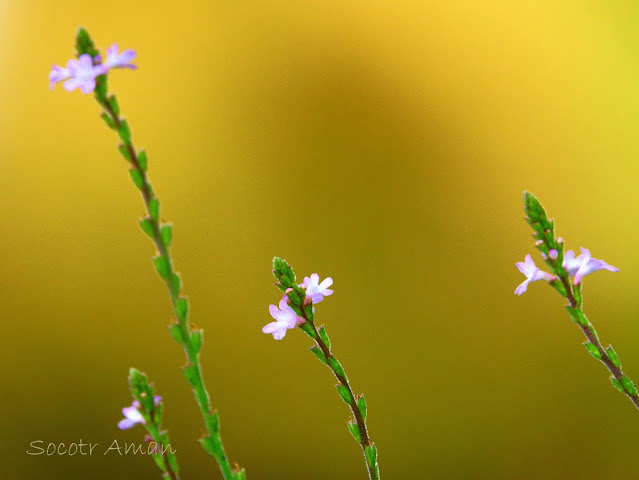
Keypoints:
(373, 467)
(168, 458)
(591, 334)
(191, 350)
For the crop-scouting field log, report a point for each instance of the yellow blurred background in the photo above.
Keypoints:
(385, 144)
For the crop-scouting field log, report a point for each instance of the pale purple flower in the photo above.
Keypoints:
(132, 415)
(532, 273)
(58, 74)
(285, 319)
(118, 60)
(82, 74)
(584, 265)
(553, 254)
(315, 290)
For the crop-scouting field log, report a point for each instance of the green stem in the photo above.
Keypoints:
(610, 360)
(189, 339)
(368, 448)
(165, 459)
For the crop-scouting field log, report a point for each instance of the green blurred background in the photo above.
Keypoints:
(385, 144)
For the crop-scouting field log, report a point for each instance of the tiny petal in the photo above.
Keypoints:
(553, 254)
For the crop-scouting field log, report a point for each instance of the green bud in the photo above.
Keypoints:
(154, 209)
(113, 104)
(137, 177)
(124, 132)
(324, 336)
(617, 384)
(166, 233)
(319, 354)
(125, 152)
(147, 227)
(182, 309)
(212, 446)
(614, 358)
(361, 405)
(177, 333)
(284, 273)
(352, 427)
(371, 455)
(162, 266)
(108, 120)
(593, 350)
(142, 161)
(196, 340)
(629, 386)
(345, 394)
(336, 367)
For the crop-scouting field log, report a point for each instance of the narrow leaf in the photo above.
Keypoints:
(137, 177)
(336, 367)
(147, 227)
(125, 152)
(319, 354)
(176, 332)
(108, 120)
(361, 404)
(142, 161)
(196, 340)
(324, 336)
(125, 132)
(162, 266)
(166, 232)
(371, 455)
(617, 384)
(344, 394)
(352, 427)
(182, 309)
(191, 374)
(614, 358)
(629, 386)
(154, 209)
(593, 350)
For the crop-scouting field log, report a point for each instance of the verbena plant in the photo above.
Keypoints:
(89, 73)
(568, 272)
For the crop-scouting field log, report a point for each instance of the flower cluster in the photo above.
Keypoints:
(81, 73)
(285, 317)
(576, 267)
(132, 415)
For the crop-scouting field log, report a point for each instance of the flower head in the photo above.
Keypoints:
(118, 60)
(285, 319)
(58, 74)
(82, 74)
(132, 415)
(584, 265)
(315, 290)
(532, 273)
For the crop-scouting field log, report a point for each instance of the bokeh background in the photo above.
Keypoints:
(385, 144)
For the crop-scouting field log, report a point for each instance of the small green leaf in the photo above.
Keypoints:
(154, 209)
(196, 340)
(182, 309)
(352, 427)
(147, 227)
(215, 421)
(336, 367)
(125, 132)
(192, 375)
(166, 233)
(319, 354)
(113, 103)
(614, 358)
(108, 120)
(162, 266)
(212, 446)
(344, 393)
(324, 336)
(629, 386)
(361, 404)
(125, 152)
(593, 350)
(177, 333)
(371, 455)
(176, 283)
(617, 384)
(239, 474)
(577, 316)
(137, 177)
(308, 330)
(142, 161)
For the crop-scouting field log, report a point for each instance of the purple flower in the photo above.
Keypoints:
(58, 74)
(132, 415)
(82, 74)
(315, 290)
(584, 265)
(553, 254)
(118, 60)
(285, 317)
(532, 273)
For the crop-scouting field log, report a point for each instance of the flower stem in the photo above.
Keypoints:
(608, 357)
(358, 409)
(191, 340)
